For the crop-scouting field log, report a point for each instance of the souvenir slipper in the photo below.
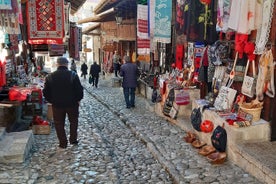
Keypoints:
(217, 157)
(198, 144)
(190, 137)
(206, 150)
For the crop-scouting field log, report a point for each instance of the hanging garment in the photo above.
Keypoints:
(179, 57)
(263, 31)
(244, 16)
(265, 80)
(223, 14)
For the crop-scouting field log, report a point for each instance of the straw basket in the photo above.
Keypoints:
(255, 112)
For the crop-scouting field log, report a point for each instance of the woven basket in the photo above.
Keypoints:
(255, 112)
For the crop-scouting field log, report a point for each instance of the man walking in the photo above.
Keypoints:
(84, 70)
(95, 70)
(63, 89)
(129, 72)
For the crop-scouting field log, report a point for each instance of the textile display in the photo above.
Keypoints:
(179, 57)
(265, 80)
(263, 31)
(14, 42)
(223, 15)
(5, 5)
(239, 19)
(10, 18)
(45, 21)
(162, 21)
(3, 81)
(179, 20)
(74, 43)
(200, 18)
(151, 10)
(143, 40)
(67, 9)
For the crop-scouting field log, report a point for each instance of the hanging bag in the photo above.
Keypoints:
(249, 83)
(182, 96)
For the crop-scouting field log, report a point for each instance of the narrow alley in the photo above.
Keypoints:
(121, 146)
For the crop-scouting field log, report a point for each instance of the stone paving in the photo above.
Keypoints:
(122, 146)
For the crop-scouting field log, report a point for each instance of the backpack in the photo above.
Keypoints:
(196, 118)
(219, 138)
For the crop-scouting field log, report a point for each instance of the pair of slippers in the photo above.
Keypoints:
(212, 154)
(209, 151)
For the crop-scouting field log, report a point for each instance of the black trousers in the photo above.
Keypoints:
(95, 80)
(59, 115)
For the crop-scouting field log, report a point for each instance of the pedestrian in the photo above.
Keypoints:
(73, 66)
(95, 70)
(129, 72)
(84, 70)
(116, 63)
(64, 91)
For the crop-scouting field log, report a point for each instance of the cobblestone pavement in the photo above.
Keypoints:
(121, 146)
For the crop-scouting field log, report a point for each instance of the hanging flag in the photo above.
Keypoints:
(162, 26)
(45, 21)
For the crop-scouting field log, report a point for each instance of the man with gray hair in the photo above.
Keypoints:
(64, 91)
(129, 71)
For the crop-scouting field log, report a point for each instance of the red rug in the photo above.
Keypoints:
(45, 20)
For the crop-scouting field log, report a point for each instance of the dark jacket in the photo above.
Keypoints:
(84, 68)
(63, 88)
(129, 72)
(95, 69)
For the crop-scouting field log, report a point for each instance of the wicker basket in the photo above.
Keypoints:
(255, 112)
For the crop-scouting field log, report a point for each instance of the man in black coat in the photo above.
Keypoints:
(95, 70)
(63, 89)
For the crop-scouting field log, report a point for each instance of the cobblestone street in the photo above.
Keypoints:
(121, 146)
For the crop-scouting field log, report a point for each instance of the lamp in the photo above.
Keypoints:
(119, 20)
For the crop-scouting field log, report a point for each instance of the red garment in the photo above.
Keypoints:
(179, 57)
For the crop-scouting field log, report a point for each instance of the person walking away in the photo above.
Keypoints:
(129, 71)
(64, 91)
(73, 66)
(116, 63)
(95, 70)
(84, 70)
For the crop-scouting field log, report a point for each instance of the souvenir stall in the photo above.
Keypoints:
(235, 73)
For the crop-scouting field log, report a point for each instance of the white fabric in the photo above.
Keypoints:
(245, 16)
(265, 80)
(264, 30)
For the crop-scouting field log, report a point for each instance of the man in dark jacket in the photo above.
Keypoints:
(129, 72)
(84, 70)
(63, 89)
(95, 70)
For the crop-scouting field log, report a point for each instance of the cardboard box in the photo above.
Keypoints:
(41, 129)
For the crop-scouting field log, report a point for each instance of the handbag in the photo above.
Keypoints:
(90, 79)
(225, 98)
(182, 96)
(249, 83)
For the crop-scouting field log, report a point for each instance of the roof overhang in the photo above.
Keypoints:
(88, 29)
(102, 17)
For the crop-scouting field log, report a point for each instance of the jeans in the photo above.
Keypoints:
(129, 94)
(59, 115)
